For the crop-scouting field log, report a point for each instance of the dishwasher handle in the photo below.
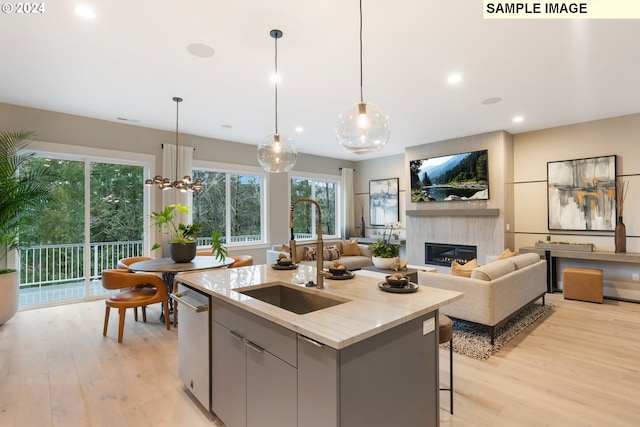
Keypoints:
(181, 298)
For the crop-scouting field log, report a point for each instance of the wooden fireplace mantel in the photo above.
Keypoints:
(453, 212)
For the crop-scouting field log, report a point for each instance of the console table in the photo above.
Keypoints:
(554, 254)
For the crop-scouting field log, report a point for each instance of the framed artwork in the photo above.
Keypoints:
(582, 194)
(384, 206)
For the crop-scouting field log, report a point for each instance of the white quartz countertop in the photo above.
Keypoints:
(368, 310)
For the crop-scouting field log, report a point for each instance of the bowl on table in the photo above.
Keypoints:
(397, 282)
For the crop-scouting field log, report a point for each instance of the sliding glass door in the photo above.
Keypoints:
(97, 218)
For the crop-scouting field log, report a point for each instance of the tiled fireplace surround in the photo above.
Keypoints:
(464, 222)
(481, 231)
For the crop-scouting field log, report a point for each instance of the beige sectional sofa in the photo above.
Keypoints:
(352, 262)
(495, 291)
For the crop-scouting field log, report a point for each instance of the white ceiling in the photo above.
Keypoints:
(131, 59)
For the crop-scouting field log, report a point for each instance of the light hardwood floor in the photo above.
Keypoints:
(580, 366)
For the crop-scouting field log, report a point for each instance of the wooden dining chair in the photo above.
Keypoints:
(241, 261)
(124, 263)
(133, 295)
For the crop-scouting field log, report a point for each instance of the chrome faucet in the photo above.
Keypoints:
(319, 246)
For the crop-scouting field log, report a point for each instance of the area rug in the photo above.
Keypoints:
(475, 340)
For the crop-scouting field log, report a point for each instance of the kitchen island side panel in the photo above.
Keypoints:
(392, 377)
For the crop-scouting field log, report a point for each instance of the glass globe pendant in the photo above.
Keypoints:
(277, 153)
(362, 127)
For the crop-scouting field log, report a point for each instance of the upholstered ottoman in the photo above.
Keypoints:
(584, 284)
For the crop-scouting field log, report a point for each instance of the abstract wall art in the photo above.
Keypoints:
(383, 201)
(582, 194)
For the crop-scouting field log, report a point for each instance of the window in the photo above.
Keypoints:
(230, 203)
(96, 219)
(325, 192)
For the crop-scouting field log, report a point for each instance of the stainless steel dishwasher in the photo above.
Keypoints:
(194, 357)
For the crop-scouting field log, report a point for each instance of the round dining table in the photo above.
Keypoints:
(169, 268)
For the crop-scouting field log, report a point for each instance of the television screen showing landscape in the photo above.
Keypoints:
(449, 178)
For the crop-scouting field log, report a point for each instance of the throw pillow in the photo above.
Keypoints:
(309, 253)
(507, 254)
(463, 270)
(350, 248)
(330, 253)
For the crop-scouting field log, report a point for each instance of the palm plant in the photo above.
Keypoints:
(21, 192)
(23, 186)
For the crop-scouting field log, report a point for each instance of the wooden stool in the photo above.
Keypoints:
(445, 333)
(584, 284)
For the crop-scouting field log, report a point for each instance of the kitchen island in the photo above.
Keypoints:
(370, 358)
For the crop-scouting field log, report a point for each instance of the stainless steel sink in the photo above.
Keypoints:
(296, 300)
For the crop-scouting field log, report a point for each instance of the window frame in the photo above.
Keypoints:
(232, 169)
(338, 209)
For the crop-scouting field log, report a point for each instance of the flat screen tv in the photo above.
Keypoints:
(463, 176)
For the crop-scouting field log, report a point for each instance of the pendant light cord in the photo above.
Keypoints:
(276, 82)
(361, 91)
(177, 149)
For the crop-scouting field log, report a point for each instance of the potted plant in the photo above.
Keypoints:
(182, 237)
(384, 253)
(217, 248)
(20, 193)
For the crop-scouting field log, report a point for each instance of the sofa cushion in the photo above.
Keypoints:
(330, 253)
(463, 270)
(350, 248)
(524, 260)
(494, 270)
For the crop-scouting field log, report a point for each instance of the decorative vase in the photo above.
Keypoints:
(621, 236)
(362, 226)
(383, 263)
(10, 288)
(182, 252)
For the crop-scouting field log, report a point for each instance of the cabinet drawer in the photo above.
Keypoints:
(277, 340)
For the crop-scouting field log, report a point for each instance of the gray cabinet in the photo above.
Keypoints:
(265, 375)
(317, 384)
(271, 390)
(253, 384)
(388, 379)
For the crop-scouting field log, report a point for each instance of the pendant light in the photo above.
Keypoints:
(277, 153)
(185, 183)
(362, 127)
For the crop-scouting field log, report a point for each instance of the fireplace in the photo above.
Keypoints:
(443, 253)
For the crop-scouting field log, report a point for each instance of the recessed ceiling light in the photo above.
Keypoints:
(200, 50)
(454, 78)
(518, 119)
(490, 101)
(299, 129)
(85, 11)
(226, 126)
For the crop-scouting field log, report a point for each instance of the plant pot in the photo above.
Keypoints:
(383, 263)
(183, 252)
(10, 291)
